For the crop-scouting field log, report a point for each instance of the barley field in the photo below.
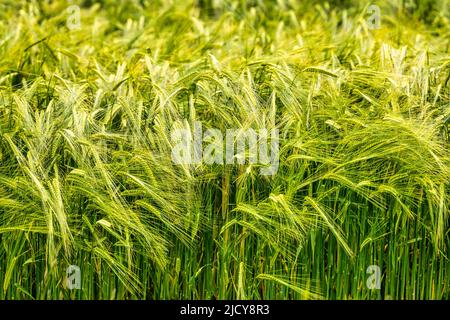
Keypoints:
(357, 206)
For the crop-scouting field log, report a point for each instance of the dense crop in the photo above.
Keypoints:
(87, 178)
